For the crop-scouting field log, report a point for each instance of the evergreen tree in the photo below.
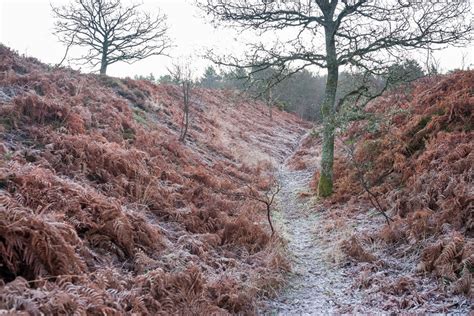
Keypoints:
(211, 79)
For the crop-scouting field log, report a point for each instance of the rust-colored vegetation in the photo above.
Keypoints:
(104, 211)
(420, 166)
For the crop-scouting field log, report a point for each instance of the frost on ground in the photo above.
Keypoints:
(314, 286)
(324, 279)
(103, 211)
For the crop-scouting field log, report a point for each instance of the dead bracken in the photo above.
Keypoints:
(103, 210)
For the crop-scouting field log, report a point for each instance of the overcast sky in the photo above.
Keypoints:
(27, 26)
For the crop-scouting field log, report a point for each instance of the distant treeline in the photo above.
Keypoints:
(301, 92)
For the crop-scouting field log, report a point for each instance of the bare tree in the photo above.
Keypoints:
(361, 171)
(269, 100)
(432, 64)
(330, 34)
(266, 197)
(111, 32)
(262, 85)
(182, 74)
(464, 60)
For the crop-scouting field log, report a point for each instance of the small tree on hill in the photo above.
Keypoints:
(182, 75)
(111, 32)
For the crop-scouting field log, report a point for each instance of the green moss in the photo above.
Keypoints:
(469, 126)
(140, 117)
(423, 122)
(415, 145)
(8, 156)
(447, 128)
(4, 182)
(325, 186)
(128, 133)
(6, 122)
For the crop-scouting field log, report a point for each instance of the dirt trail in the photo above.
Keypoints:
(317, 286)
(314, 286)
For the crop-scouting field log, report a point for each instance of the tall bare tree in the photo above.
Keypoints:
(111, 32)
(367, 34)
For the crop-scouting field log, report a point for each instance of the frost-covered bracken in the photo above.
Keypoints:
(104, 211)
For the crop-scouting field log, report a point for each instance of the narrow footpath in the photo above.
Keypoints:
(315, 286)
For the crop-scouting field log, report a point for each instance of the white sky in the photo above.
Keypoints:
(27, 26)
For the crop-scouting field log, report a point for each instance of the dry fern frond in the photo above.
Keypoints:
(104, 211)
(464, 284)
(353, 249)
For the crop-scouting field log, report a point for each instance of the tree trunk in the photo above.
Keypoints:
(269, 103)
(325, 186)
(104, 62)
(185, 123)
(103, 68)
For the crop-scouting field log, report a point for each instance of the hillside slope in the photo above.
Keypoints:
(415, 154)
(103, 210)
